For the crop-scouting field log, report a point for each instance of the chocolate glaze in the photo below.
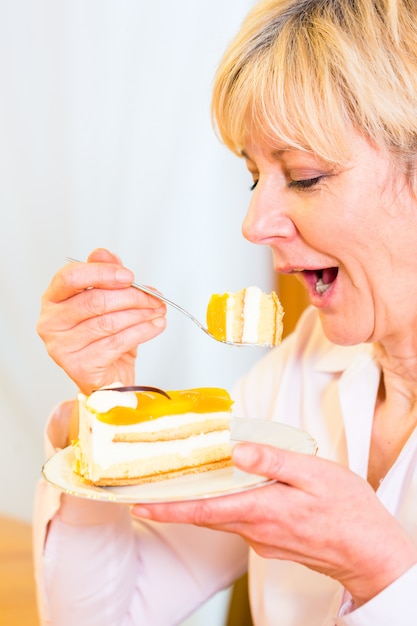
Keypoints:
(135, 388)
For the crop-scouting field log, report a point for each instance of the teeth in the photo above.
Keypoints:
(320, 286)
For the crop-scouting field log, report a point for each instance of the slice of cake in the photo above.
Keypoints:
(132, 435)
(247, 316)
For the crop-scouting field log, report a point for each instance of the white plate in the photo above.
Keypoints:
(58, 470)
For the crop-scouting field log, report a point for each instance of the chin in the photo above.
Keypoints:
(343, 334)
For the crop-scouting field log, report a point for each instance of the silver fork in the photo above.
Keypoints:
(179, 308)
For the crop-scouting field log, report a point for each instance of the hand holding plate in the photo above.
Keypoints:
(299, 518)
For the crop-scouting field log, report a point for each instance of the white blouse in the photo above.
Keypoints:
(96, 566)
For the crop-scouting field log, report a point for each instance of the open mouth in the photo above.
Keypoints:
(322, 279)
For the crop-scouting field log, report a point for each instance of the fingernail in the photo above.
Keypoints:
(123, 275)
(159, 322)
(245, 454)
(140, 511)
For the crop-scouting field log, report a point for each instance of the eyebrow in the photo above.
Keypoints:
(275, 154)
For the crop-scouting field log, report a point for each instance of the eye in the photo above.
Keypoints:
(306, 183)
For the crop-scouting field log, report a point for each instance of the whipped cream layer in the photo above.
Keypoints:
(251, 314)
(242, 318)
(230, 317)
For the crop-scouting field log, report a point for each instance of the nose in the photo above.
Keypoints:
(267, 219)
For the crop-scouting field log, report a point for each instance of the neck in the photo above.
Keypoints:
(395, 416)
(399, 377)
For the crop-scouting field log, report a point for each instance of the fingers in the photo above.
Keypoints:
(302, 471)
(236, 513)
(212, 512)
(93, 327)
(101, 255)
(286, 466)
(94, 291)
(253, 458)
(106, 337)
(99, 303)
(92, 320)
(76, 277)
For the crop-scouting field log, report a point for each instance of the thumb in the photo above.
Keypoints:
(285, 466)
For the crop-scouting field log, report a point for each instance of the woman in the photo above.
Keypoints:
(319, 98)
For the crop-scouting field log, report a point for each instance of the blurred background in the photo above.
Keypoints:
(106, 140)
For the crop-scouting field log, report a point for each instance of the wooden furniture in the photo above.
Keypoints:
(294, 299)
(17, 586)
(239, 610)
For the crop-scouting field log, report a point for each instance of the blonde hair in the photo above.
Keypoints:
(302, 72)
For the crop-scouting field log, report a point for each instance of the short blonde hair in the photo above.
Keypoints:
(301, 72)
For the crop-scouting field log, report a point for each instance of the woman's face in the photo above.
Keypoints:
(349, 234)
